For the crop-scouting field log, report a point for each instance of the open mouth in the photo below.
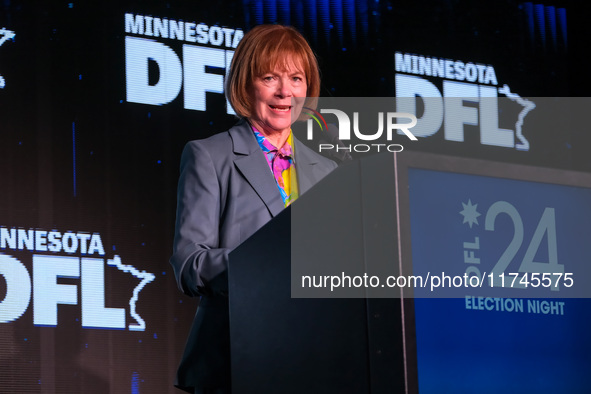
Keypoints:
(282, 108)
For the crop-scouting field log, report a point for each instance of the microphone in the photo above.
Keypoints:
(332, 137)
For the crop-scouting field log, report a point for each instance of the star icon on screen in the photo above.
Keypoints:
(470, 213)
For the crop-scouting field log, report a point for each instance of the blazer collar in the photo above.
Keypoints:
(252, 164)
(305, 162)
(250, 161)
(243, 140)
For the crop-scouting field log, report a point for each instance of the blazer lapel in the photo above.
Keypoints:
(250, 161)
(304, 167)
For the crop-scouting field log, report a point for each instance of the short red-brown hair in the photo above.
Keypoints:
(260, 51)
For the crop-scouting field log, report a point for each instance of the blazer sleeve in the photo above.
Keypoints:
(198, 261)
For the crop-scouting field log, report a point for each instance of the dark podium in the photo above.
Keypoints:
(350, 343)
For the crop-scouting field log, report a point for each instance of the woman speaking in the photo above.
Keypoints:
(234, 182)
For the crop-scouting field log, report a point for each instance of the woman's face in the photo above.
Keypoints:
(273, 109)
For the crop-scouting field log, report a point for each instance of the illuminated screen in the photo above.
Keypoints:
(491, 351)
(482, 226)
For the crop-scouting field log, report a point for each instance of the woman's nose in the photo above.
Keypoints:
(284, 88)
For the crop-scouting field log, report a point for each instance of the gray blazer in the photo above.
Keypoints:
(226, 192)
